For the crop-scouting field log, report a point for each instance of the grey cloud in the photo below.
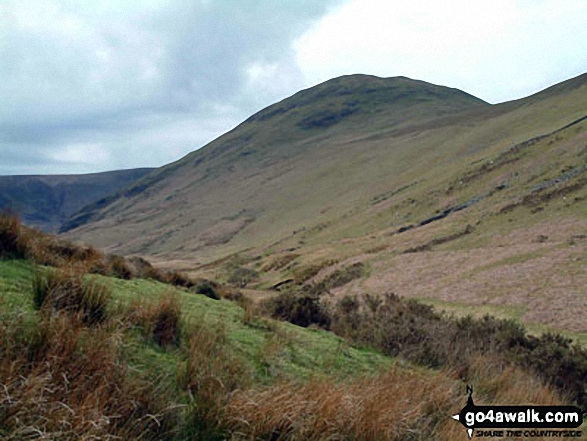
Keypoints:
(76, 73)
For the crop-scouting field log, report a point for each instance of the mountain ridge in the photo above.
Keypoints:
(47, 201)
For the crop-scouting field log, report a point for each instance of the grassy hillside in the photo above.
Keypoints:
(47, 201)
(238, 184)
(442, 197)
(88, 352)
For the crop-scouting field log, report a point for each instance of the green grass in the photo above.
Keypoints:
(16, 278)
(271, 349)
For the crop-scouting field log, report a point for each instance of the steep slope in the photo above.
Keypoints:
(282, 163)
(46, 201)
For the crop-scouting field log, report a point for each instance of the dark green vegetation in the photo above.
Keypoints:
(122, 355)
(46, 202)
(416, 332)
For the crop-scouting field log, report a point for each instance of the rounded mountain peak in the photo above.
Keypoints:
(341, 98)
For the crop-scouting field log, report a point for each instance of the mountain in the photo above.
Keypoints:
(245, 177)
(46, 201)
(439, 195)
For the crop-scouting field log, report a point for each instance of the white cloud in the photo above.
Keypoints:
(498, 50)
(80, 153)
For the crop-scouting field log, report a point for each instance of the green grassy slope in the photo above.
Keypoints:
(269, 348)
(46, 201)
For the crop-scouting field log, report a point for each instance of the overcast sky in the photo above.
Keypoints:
(100, 85)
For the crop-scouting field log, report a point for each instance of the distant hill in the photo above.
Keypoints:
(439, 195)
(46, 201)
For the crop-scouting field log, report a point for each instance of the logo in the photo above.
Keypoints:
(486, 419)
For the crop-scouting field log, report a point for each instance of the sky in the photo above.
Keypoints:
(89, 86)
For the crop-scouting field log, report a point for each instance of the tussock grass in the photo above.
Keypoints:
(62, 380)
(10, 232)
(298, 307)
(396, 405)
(211, 373)
(67, 289)
(159, 321)
(20, 242)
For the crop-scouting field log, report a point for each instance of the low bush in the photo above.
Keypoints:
(117, 266)
(299, 308)
(237, 296)
(11, 245)
(241, 276)
(416, 332)
(206, 288)
(141, 268)
(558, 362)
(176, 278)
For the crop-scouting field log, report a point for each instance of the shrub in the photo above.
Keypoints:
(176, 278)
(558, 362)
(142, 268)
(117, 266)
(241, 276)
(206, 288)
(237, 296)
(299, 308)
(414, 331)
(10, 236)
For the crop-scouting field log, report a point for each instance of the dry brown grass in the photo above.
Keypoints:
(62, 380)
(211, 373)
(10, 233)
(540, 282)
(18, 242)
(497, 383)
(397, 405)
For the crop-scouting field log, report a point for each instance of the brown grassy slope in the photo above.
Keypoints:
(518, 251)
